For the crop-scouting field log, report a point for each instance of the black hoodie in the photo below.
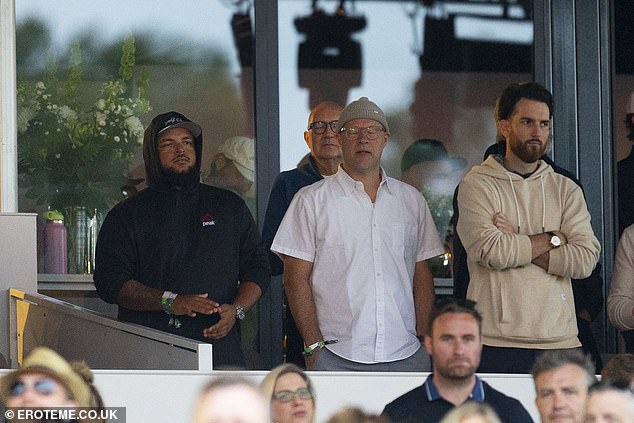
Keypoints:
(189, 240)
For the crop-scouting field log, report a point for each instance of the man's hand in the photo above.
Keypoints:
(190, 304)
(226, 323)
(502, 223)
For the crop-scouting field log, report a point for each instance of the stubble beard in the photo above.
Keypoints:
(458, 376)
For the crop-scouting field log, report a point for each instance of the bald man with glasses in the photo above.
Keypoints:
(354, 248)
(323, 160)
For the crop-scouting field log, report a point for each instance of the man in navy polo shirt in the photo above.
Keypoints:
(454, 342)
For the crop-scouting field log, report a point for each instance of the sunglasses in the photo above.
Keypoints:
(287, 396)
(44, 386)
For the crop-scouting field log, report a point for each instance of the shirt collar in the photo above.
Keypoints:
(349, 185)
(477, 394)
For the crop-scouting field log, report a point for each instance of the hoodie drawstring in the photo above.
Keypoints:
(541, 180)
(517, 206)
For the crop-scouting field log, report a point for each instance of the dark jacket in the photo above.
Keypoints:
(284, 188)
(423, 404)
(194, 240)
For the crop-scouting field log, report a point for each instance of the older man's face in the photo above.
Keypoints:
(324, 146)
(561, 394)
(610, 407)
(362, 151)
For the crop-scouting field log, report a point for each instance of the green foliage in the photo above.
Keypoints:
(441, 208)
(68, 156)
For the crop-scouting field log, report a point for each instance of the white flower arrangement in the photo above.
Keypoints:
(73, 157)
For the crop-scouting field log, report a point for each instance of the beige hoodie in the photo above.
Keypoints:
(522, 305)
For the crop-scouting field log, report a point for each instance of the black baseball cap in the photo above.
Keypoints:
(171, 120)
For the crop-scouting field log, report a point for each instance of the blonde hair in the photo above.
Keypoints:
(471, 409)
(267, 386)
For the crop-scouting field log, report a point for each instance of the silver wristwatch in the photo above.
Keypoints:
(240, 313)
(555, 241)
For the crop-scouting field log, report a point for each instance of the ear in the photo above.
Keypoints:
(504, 127)
(428, 346)
(309, 141)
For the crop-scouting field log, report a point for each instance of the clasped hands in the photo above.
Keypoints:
(192, 304)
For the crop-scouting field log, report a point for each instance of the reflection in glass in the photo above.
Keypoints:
(199, 62)
(435, 70)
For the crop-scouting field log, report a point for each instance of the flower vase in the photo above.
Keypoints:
(83, 229)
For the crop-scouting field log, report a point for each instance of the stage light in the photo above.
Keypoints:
(329, 59)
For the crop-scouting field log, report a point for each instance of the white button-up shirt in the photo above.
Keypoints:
(363, 257)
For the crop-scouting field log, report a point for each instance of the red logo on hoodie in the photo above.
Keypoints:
(207, 219)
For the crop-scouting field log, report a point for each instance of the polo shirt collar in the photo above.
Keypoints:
(433, 395)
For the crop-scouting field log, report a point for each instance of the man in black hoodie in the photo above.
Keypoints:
(181, 256)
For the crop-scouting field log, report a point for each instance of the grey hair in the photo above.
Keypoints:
(554, 359)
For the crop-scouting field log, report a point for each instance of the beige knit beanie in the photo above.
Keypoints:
(362, 109)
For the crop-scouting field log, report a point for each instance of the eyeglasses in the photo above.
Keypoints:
(288, 396)
(44, 386)
(443, 302)
(319, 127)
(371, 132)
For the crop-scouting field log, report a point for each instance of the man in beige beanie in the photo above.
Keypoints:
(354, 247)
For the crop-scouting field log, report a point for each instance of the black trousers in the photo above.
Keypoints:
(508, 360)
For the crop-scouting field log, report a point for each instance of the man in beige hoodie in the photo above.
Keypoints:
(526, 230)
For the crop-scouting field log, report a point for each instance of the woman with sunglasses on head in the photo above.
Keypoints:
(47, 380)
(290, 393)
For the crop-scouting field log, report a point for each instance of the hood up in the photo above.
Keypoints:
(159, 124)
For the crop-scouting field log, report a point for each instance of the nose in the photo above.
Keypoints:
(29, 395)
(558, 400)
(459, 348)
(538, 129)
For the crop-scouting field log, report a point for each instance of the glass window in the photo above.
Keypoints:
(81, 120)
(623, 132)
(435, 71)
(623, 106)
(187, 63)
